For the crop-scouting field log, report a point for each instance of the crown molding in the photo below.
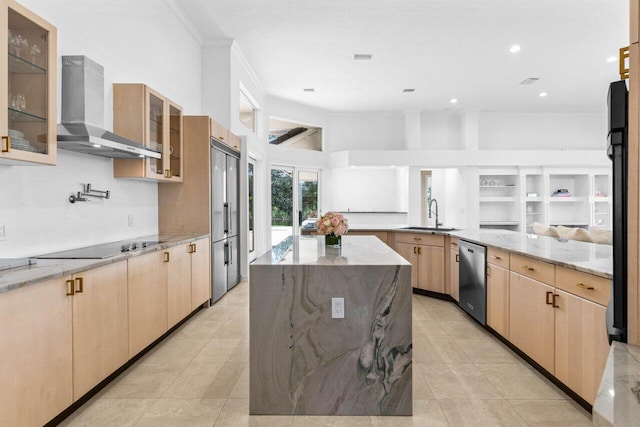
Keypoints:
(188, 24)
(243, 60)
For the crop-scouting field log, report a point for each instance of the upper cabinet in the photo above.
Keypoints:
(225, 136)
(145, 116)
(28, 88)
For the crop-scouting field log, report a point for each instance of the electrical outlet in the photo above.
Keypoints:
(337, 308)
(3, 232)
(130, 220)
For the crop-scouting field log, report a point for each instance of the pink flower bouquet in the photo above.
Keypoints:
(332, 223)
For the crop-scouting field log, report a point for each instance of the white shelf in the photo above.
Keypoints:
(534, 213)
(497, 199)
(497, 186)
(499, 223)
(533, 199)
(567, 199)
(569, 223)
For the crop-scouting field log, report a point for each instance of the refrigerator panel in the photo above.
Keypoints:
(233, 165)
(218, 194)
(218, 270)
(233, 267)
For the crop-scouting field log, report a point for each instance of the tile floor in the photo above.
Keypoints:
(199, 376)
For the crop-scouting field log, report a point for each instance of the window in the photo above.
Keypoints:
(295, 135)
(247, 112)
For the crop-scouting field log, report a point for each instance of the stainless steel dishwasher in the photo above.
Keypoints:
(473, 279)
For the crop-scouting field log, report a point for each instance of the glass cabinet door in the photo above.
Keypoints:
(28, 134)
(174, 153)
(156, 134)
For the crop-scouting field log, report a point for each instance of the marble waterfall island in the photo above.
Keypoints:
(305, 362)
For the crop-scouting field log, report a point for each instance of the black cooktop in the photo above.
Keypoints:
(104, 250)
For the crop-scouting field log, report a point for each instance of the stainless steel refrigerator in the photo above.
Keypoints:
(225, 251)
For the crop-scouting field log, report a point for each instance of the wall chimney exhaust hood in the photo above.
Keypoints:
(82, 127)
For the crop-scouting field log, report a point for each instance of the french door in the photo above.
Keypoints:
(294, 201)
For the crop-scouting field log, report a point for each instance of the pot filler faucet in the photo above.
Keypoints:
(429, 209)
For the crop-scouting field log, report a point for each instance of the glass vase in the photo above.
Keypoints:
(333, 240)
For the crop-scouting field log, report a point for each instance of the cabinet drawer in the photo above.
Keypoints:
(499, 257)
(588, 286)
(219, 132)
(533, 268)
(453, 243)
(420, 239)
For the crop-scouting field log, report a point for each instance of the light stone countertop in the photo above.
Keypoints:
(616, 403)
(355, 250)
(47, 269)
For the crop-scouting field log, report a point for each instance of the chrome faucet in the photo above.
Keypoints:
(432, 201)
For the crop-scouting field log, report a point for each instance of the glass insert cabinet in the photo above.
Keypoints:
(28, 86)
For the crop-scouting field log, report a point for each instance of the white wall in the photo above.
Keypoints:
(141, 41)
(366, 131)
(441, 131)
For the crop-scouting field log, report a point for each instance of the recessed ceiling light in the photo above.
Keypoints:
(530, 80)
(542, 94)
(453, 101)
(408, 90)
(308, 89)
(515, 48)
(362, 56)
(611, 59)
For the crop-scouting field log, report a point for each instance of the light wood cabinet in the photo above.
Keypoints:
(36, 381)
(178, 284)
(454, 267)
(224, 135)
(531, 319)
(147, 295)
(582, 345)
(427, 261)
(382, 235)
(200, 275)
(146, 116)
(234, 141)
(100, 327)
(498, 299)
(28, 59)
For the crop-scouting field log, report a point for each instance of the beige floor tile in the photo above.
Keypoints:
(182, 412)
(519, 381)
(195, 382)
(147, 380)
(462, 381)
(480, 413)
(421, 390)
(427, 413)
(178, 350)
(235, 413)
(241, 389)
(463, 329)
(110, 412)
(321, 421)
(438, 351)
(486, 351)
(560, 413)
(218, 350)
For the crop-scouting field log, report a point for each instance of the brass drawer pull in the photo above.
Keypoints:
(80, 284)
(583, 286)
(195, 248)
(488, 271)
(70, 288)
(526, 267)
(549, 294)
(417, 238)
(554, 305)
(166, 257)
(167, 173)
(457, 257)
(8, 145)
(415, 249)
(419, 250)
(496, 257)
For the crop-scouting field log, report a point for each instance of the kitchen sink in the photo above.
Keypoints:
(429, 228)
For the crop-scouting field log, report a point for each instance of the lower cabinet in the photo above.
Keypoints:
(178, 284)
(498, 299)
(36, 381)
(454, 269)
(531, 319)
(147, 294)
(425, 252)
(200, 274)
(100, 327)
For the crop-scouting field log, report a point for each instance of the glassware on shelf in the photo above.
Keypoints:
(17, 44)
(34, 51)
(18, 102)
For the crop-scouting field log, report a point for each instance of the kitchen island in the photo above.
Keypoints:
(307, 359)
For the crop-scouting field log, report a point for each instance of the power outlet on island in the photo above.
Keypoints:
(337, 308)
(130, 220)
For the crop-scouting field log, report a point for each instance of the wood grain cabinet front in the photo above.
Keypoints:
(149, 118)
(36, 362)
(498, 299)
(200, 275)
(28, 87)
(426, 254)
(178, 284)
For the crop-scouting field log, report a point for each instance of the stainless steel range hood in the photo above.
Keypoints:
(82, 127)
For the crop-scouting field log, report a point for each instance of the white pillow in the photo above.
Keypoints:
(544, 230)
(601, 235)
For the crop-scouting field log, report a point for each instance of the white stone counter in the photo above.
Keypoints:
(618, 400)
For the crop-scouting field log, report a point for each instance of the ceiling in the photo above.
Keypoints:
(443, 49)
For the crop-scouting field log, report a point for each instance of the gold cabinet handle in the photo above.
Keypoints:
(70, 288)
(526, 267)
(457, 257)
(166, 257)
(8, 144)
(417, 238)
(496, 257)
(488, 271)
(549, 294)
(419, 250)
(167, 173)
(583, 286)
(80, 286)
(415, 249)
(195, 249)
(554, 305)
